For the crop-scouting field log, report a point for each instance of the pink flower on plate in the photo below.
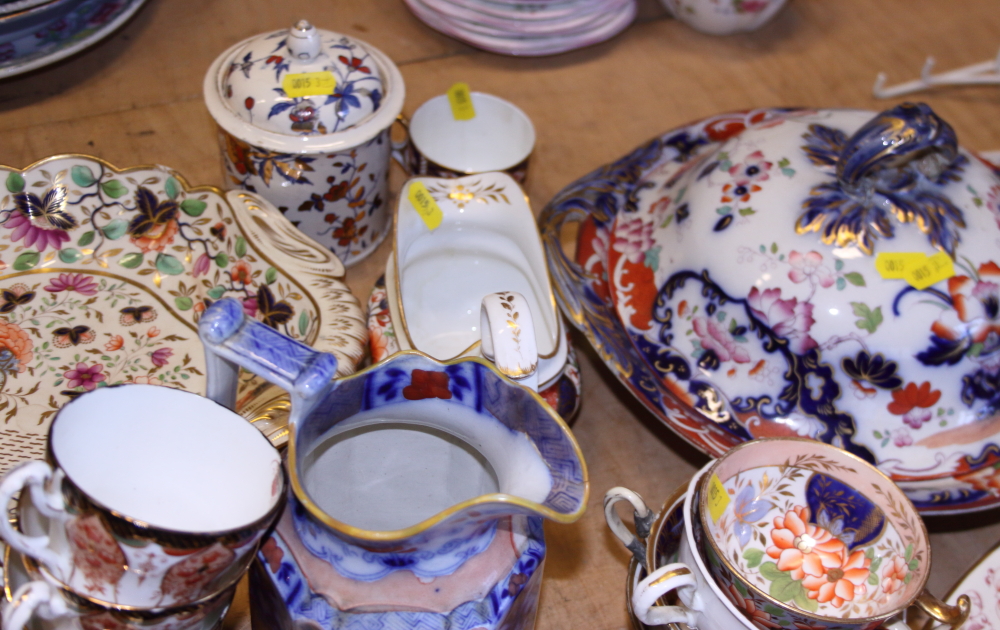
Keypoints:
(161, 356)
(753, 168)
(901, 437)
(82, 284)
(83, 376)
(250, 306)
(39, 234)
(633, 238)
(717, 339)
(114, 343)
(201, 265)
(789, 319)
(810, 267)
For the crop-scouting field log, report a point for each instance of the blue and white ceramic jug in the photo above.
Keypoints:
(418, 486)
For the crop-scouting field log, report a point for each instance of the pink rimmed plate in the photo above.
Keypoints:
(104, 273)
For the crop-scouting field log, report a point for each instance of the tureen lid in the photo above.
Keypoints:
(303, 89)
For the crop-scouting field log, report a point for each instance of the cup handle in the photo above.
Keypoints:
(657, 584)
(643, 520)
(945, 614)
(400, 149)
(33, 476)
(508, 337)
(31, 598)
(233, 340)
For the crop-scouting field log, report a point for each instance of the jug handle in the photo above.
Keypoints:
(508, 337)
(233, 340)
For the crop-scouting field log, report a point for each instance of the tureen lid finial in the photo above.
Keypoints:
(303, 41)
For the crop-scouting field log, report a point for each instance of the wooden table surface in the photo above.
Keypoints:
(136, 99)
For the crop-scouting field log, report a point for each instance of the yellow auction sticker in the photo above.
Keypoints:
(918, 269)
(718, 498)
(309, 84)
(425, 205)
(461, 102)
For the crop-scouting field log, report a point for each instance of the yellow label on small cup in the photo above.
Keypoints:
(718, 498)
(425, 205)
(918, 269)
(461, 102)
(309, 84)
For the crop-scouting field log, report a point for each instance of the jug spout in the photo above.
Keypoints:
(232, 340)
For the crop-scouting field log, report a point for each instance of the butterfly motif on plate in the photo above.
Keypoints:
(132, 315)
(72, 336)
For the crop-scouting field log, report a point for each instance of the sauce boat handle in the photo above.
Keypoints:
(233, 340)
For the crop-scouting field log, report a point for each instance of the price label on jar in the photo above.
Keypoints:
(309, 84)
(918, 269)
(461, 102)
(718, 498)
(425, 205)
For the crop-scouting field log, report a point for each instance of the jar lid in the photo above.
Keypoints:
(303, 89)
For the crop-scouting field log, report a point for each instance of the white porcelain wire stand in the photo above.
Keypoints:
(985, 73)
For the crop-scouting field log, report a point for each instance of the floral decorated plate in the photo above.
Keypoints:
(105, 272)
(982, 584)
(49, 32)
(783, 273)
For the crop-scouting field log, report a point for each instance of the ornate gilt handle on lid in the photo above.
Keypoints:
(907, 133)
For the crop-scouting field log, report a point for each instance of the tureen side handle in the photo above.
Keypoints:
(233, 340)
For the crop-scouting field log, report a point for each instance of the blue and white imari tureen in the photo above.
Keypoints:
(830, 274)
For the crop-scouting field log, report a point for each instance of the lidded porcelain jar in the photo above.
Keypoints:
(304, 117)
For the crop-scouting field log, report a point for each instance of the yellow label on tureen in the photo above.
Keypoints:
(918, 269)
(461, 102)
(309, 84)
(717, 498)
(425, 205)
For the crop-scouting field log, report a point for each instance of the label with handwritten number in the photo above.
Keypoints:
(718, 498)
(309, 84)
(425, 205)
(461, 102)
(918, 269)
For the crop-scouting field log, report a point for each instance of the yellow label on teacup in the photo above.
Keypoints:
(918, 269)
(309, 84)
(717, 499)
(425, 205)
(461, 102)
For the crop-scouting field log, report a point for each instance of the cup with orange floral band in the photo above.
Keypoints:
(816, 533)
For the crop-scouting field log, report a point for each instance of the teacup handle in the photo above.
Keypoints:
(233, 340)
(34, 476)
(643, 520)
(33, 597)
(508, 336)
(657, 584)
(400, 149)
(945, 614)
